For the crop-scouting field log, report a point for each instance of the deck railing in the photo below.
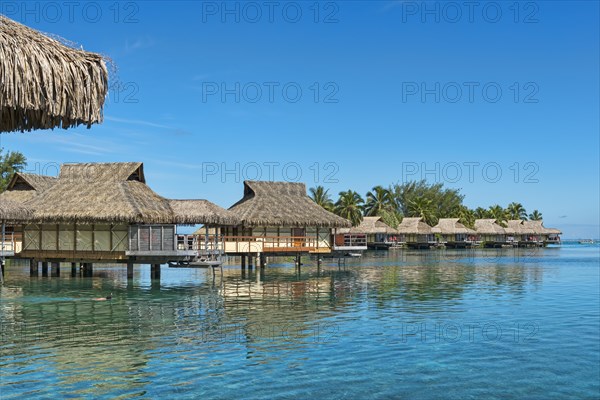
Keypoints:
(273, 244)
(350, 241)
(12, 243)
(200, 244)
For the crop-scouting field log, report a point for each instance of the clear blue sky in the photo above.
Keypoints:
(389, 89)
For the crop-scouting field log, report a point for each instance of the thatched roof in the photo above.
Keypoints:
(369, 225)
(539, 229)
(45, 84)
(22, 187)
(451, 226)
(414, 226)
(116, 193)
(193, 212)
(488, 227)
(517, 227)
(11, 211)
(282, 204)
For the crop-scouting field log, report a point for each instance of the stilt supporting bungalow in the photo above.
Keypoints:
(55, 269)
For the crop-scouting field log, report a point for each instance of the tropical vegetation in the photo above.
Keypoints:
(415, 199)
(10, 162)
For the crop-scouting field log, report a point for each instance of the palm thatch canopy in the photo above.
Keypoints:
(116, 193)
(282, 204)
(191, 212)
(12, 211)
(451, 226)
(45, 84)
(488, 226)
(22, 187)
(370, 225)
(414, 226)
(538, 228)
(517, 227)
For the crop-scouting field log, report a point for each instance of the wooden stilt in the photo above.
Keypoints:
(55, 269)
(45, 268)
(243, 261)
(262, 260)
(73, 269)
(88, 270)
(33, 267)
(155, 271)
(129, 270)
(250, 261)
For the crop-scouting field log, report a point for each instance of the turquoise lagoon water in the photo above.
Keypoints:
(493, 324)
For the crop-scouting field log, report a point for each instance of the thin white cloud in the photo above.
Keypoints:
(138, 122)
(139, 43)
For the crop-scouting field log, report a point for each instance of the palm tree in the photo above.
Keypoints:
(498, 213)
(379, 200)
(349, 206)
(422, 207)
(321, 196)
(467, 216)
(516, 211)
(535, 216)
(481, 213)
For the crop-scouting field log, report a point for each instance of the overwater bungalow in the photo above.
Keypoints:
(371, 231)
(451, 233)
(278, 218)
(105, 212)
(489, 233)
(543, 235)
(415, 234)
(520, 234)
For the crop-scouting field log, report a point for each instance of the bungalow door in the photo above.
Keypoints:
(298, 236)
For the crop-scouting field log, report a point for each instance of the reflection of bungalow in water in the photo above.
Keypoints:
(489, 233)
(415, 233)
(106, 213)
(278, 218)
(376, 233)
(453, 234)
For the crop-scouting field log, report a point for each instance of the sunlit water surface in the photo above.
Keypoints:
(504, 324)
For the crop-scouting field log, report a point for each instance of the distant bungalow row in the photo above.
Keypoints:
(105, 212)
(449, 232)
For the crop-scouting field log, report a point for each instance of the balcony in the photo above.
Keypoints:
(350, 242)
(274, 244)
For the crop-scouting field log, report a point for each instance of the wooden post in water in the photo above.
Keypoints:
(129, 270)
(2, 255)
(262, 260)
(243, 261)
(55, 269)
(45, 268)
(73, 270)
(88, 270)
(250, 261)
(33, 267)
(155, 271)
